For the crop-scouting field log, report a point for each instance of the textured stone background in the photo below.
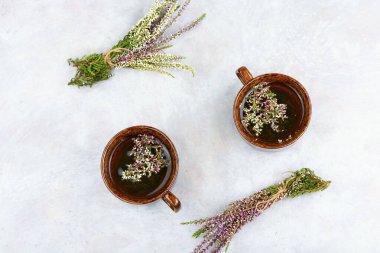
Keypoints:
(52, 135)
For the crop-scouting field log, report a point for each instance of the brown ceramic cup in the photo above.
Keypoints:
(163, 191)
(286, 83)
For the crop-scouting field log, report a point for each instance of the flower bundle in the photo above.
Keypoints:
(261, 108)
(218, 231)
(142, 48)
(148, 158)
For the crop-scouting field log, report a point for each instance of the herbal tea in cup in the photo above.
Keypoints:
(271, 111)
(139, 165)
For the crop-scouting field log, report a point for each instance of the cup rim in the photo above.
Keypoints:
(298, 88)
(130, 132)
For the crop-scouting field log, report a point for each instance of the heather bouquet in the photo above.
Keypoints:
(142, 48)
(261, 108)
(218, 230)
(148, 158)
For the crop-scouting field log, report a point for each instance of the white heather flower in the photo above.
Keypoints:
(261, 108)
(148, 158)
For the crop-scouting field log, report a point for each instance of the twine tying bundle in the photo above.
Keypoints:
(264, 204)
(107, 55)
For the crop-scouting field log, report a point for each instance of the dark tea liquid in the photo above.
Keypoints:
(148, 186)
(295, 111)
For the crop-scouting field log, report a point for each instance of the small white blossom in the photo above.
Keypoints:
(261, 108)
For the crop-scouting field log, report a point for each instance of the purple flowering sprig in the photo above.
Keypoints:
(261, 108)
(148, 158)
(142, 48)
(218, 231)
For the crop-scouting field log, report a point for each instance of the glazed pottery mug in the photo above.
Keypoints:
(157, 186)
(288, 91)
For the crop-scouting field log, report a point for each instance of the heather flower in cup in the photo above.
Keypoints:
(261, 108)
(148, 158)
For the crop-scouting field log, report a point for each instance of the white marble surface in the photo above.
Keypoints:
(52, 135)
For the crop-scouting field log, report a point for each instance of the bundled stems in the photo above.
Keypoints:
(142, 48)
(218, 230)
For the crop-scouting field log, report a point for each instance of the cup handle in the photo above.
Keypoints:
(244, 75)
(172, 201)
